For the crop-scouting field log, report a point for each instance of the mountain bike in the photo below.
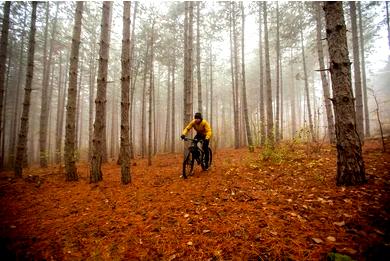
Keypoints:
(192, 154)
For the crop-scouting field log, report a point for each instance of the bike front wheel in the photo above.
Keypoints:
(188, 164)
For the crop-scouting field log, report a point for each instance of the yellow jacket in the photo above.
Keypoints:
(202, 128)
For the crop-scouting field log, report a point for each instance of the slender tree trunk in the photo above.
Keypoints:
(357, 73)
(311, 128)
(92, 79)
(261, 81)
(22, 141)
(198, 57)
(188, 64)
(70, 134)
(388, 22)
(277, 115)
(270, 121)
(132, 83)
(60, 107)
(364, 77)
(78, 107)
(173, 121)
(144, 93)
(151, 91)
(292, 97)
(125, 102)
(236, 78)
(350, 164)
(168, 118)
(3, 60)
(235, 120)
(324, 79)
(244, 98)
(211, 85)
(14, 125)
(99, 132)
(281, 101)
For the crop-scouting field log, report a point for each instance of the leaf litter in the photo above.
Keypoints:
(239, 209)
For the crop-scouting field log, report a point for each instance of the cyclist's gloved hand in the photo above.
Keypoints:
(183, 137)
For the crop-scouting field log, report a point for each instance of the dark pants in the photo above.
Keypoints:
(205, 147)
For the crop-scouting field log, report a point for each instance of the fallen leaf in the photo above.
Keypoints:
(317, 240)
(330, 238)
(206, 231)
(273, 233)
(340, 224)
(189, 243)
(186, 215)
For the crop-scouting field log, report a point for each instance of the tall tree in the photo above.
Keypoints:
(99, 129)
(324, 79)
(22, 141)
(311, 128)
(188, 64)
(125, 102)
(364, 78)
(261, 81)
(198, 69)
(44, 117)
(3, 60)
(60, 109)
(350, 164)
(277, 115)
(70, 125)
(357, 73)
(235, 72)
(244, 98)
(270, 121)
(151, 92)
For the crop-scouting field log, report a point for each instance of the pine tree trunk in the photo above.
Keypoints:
(324, 79)
(244, 98)
(151, 91)
(198, 57)
(388, 22)
(357, 73)
(211, 85)
(15, 119)
(99, 131)
(235, 119)
(78, 107)
(277, 115)
(350, 164)
(173, 120)
(270, 121)
(168, 118)
(133, 78)
(261, 81)
(292, 97)
(70, 134)
(311, 128)
(125, 102)
(364, 77)
(60, 107)
(143, 112)
(188, 38)
(22, 141)
(281, 101)
(92, 80)
(236, 79)
(3, 60)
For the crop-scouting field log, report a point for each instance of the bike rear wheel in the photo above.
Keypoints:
(210, 160)
(188, 165)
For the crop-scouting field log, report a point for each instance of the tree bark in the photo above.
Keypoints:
(151, 91)
(173, 120)
(292, 98)
(99, 137)
(70, 134)
(168, 118)
(270, 121)
(261, 81)
(22, 142)
(144, 93)
(60, 107)
(3, 60)
(324, 79)
(237, 142)
(364, 77)
(198, 57)
(125, 102)
(188, 38)
(277, 115)
(310, 116)
(244, 98)
(350, 164)
(357, 73)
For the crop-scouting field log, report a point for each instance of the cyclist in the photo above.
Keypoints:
(203, 132)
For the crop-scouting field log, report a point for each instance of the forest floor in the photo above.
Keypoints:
(281, 205)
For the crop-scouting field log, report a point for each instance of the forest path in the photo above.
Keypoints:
(242, 208)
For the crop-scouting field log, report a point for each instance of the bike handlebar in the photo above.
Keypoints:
(189, 139)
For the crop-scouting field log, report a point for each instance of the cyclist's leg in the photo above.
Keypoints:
(206, 152)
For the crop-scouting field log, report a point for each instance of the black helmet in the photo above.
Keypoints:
(198, 115)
